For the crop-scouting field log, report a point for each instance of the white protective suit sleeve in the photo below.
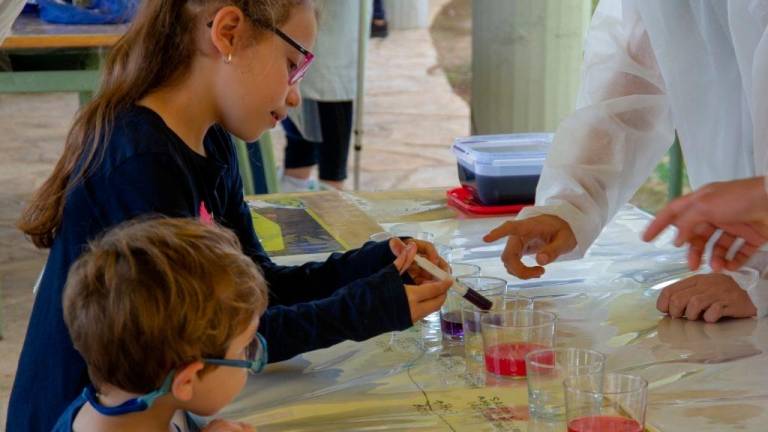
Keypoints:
(752, 279)
(752, 51)
(621, 128)
(9, 10)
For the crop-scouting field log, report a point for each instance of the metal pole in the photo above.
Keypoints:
(526, 57)
(362, 45)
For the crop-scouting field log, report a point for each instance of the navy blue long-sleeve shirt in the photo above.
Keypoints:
(147, 169)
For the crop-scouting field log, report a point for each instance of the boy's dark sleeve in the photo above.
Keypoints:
(350, 296)
(314, 280)
(363, 309)
(311, 281)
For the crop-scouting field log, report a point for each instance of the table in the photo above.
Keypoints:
(703, 377)
(57, 58)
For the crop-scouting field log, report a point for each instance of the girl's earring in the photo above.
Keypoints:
(228, 59)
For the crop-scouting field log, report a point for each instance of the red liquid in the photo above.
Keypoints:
(604, 424)
(509, 359)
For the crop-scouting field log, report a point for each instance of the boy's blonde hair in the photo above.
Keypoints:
(154, 295)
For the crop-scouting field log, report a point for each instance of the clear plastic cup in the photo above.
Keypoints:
(610, 402)
(464, 270)
(431, 333)
(548, 368)
(471, 318)
(513, 300)
(445, 251)
(543, 425)
(381, 236)
(430, 325)
(413, 232)
(508, 335)
(418, 235)
(450, 313)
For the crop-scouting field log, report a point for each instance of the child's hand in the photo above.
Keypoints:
(421, 247)
(710, 297)
(405, 254)
(220, 425)
(426, 298)
(427, 295)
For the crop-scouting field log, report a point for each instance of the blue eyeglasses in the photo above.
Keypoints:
(255, 352)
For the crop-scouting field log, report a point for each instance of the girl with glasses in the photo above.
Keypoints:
(155, 140)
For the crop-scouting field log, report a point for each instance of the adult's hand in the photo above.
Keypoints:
(739, 208)
(709, 297)
(546, 236)
(750, 238)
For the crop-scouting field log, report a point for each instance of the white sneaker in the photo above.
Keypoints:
(323, 186)
(293, 184)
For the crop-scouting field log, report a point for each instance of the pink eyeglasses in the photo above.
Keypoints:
(296, 74)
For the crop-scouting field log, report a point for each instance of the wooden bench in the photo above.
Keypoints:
(68, 58)
(42, 46)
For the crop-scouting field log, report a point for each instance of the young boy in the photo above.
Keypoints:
(165, 313)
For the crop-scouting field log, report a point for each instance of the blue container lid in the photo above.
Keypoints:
(508, 154)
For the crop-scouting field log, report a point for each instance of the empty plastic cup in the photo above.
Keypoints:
(548, 368)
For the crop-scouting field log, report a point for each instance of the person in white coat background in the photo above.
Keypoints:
(653, 67)
(9, 11)
(319, 131)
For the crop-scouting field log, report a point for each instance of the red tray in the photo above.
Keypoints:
(462, 198)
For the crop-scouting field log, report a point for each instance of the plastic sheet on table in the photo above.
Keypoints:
(703, 377)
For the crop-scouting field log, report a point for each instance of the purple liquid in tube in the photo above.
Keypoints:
(450, 324)
(478, 300)
(469, 294)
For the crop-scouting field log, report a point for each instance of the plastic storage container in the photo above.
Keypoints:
(502, 169)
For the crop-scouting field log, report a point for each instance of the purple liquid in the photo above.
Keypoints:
(478, 300)
(473, 326)
(495, 190)
(450, 324)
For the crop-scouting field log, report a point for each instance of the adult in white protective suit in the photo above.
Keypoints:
(652, 67)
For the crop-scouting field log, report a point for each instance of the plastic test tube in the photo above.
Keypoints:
(469, 294)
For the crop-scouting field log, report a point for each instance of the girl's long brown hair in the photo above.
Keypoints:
(157, 48)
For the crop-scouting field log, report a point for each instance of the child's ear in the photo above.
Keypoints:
(184, 381)
(228, 25)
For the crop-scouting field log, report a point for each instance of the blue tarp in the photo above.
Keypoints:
(98, 12)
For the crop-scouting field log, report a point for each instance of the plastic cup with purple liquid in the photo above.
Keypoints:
(451, 320)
